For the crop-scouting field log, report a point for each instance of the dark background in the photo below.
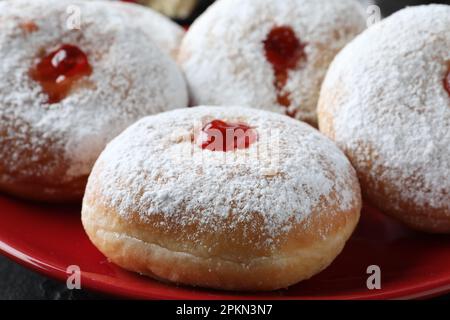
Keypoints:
(16, 282)
(390, 6)
(387, 6)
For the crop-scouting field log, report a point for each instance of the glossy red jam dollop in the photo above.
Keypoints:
(285, 52)
(447, 81)
(59, 70)
(224, 136)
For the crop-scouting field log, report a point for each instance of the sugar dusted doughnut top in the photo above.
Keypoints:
(162, 30)
(157, 173)
(271, 54)
(128, 78)
(386, 101)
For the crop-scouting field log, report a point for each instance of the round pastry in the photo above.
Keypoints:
(222, 197)
(386, 102)
(65, 93)
(270, 54)
(163, 31)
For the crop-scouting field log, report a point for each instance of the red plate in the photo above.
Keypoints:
(49, 239)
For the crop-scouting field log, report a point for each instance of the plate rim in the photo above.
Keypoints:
(424, 290)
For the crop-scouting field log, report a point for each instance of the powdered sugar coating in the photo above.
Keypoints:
(224, 60)
(154, 168)
(161, 30)
(388, 109)
(131, 78)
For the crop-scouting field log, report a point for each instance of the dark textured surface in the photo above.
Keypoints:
(16, 282)
(19, 283)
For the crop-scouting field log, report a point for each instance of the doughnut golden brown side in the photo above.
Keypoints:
(42, 179)
(49, 193)
(382, 194)
(144, 248)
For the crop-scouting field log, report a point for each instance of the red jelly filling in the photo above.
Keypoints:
(29, 27)
(59, 70)
(447, 81)
(285, 52)
(224, 136)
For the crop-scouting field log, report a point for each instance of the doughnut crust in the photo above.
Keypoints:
(224, 59)
(159, 205)
(47, 150)
(384, 103)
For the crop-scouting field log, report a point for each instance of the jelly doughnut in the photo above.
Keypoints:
(222, 197)
(267, 54)
(386, 102)
(66, 92)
